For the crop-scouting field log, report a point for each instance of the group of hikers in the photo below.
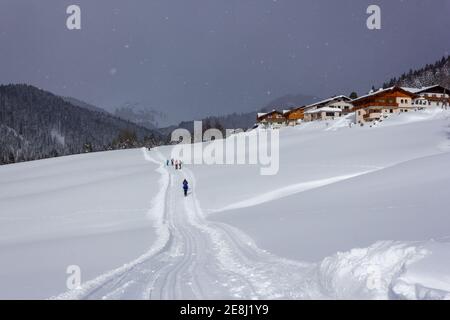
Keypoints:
(175, 163)
(178, 165)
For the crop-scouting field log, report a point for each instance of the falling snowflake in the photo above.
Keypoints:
(112, 71)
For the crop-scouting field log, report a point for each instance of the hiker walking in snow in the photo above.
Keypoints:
(179, 164)
(171, 161)
(167, 163)
(176, 164)
(185, 187)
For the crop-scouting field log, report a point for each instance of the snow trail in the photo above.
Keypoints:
(200, 259)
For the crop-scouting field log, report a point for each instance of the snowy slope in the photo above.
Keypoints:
(354, 212)
(312, 152)
(403, 200)
(89, 210)
(407, 201)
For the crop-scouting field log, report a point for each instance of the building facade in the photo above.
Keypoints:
(274, 119)
(380, 104)
(328, 109)
(324, 113)
(294, 116)
(429, 97)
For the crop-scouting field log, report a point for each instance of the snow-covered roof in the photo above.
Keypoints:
(267, 113)
(331, 103)
(324, 109)
(420, 90)
(412, 90)
(286, 111)
(327, 100)
(372, 93)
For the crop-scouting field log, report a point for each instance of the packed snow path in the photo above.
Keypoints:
(196, 258)
(201, 260)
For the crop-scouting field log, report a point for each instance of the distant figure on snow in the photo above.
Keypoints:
(179, 164)
(185, 187)
(176, 164)
(172, 162)
(167, 163)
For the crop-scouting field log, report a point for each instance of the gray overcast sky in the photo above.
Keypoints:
(190, 58)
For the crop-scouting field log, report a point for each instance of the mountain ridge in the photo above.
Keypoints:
(37, 124)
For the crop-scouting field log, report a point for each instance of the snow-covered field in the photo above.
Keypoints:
(89, 210)
(354, 212)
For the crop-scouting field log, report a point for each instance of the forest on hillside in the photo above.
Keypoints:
(35, 124)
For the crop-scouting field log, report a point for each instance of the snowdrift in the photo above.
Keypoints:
(388, 270)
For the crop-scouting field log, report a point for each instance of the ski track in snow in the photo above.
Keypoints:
(198, 259)
(288, 191)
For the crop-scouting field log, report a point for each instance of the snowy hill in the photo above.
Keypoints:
(36, 124)
(354, 212)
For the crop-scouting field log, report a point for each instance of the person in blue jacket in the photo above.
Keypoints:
(185, 187)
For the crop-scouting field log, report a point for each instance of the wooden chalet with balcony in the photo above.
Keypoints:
(294, 116)
(274, 119)
(328, 109)
(380, 104)
(433, 96)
